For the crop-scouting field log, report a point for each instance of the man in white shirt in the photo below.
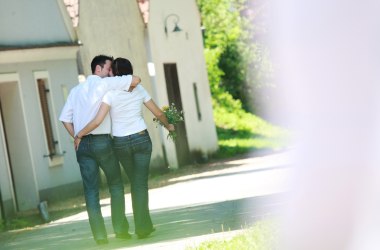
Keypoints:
(131, 140)
(96, 148)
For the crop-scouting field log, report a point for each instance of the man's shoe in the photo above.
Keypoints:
(145, 235)
(124, 236)
(101, 241)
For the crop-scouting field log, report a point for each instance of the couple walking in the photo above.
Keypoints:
(112, 92)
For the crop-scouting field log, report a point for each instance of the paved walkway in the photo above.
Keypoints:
(215, 204)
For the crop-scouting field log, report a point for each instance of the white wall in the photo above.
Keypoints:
(184, 48)
(25, 22)
(61, 73)
(18, 146)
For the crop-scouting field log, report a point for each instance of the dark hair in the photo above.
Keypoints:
(99, 60)
(122, 66)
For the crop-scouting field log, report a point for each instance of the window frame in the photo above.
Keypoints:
(54, 155)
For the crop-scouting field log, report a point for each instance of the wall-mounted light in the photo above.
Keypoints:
(151, 69)
(175, 20)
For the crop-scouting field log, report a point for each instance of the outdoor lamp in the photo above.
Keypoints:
(175, 19)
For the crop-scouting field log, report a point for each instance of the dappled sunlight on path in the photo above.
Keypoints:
(185, 212)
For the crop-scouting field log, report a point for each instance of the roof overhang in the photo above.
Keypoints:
(22, 55)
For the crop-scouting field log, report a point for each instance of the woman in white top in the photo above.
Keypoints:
(131, 142)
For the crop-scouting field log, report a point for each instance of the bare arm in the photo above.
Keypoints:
(99, 118)
(135, 81)
(125, 82)
(157, 112)
(69, 127)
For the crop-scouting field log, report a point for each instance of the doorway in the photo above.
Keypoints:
(16, 150)
(5, 152)
(174, 96)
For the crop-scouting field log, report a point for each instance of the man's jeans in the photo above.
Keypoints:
(95, 151)
(134, 152)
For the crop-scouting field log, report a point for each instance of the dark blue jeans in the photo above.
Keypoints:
(134, 152)
(96, 151)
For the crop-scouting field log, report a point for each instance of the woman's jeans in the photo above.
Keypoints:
(134, 152)
(95, 151)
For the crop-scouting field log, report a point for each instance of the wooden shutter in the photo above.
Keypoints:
(46, 116)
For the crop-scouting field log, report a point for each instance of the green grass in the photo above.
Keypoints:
(32, 217)
(262, 236)
(241, 132)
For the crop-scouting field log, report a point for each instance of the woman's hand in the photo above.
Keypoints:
(77, 141)
(170, 128)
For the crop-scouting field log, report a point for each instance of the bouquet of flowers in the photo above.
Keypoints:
(174, 116)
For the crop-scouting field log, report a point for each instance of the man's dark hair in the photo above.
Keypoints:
(122, 66)
(99, 60)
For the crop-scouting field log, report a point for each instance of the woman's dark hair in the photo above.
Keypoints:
(99, 60)
(122, 66)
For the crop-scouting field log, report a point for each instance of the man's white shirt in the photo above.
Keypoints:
(126, 110)
(84, 101)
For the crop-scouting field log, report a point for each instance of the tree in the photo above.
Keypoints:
(236, 61)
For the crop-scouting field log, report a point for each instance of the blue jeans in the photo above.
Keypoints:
(134, 152)
(96, 151)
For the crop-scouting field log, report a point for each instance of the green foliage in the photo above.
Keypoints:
(32, 218)
(215, 74)
(221, 18)
(174, 116)
(226, 103)
(241, 132)
(261, 236)
(233, 62)
(2, 225)
(237, 61)
(23, 222)
(236, 68)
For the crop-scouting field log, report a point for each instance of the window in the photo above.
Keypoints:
(49, 124)
(197, 101)
(43, 92)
